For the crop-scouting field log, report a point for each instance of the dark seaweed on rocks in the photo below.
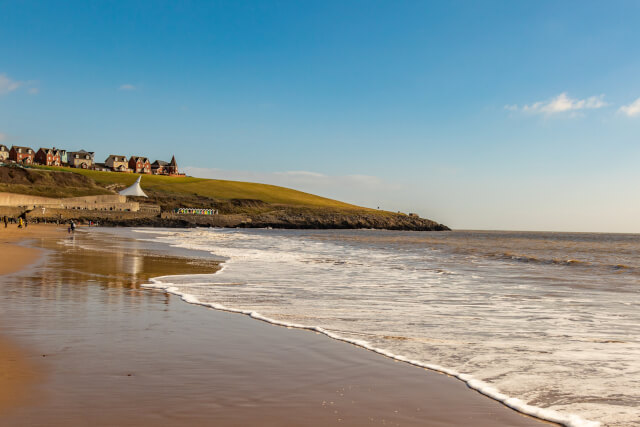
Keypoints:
(285, 220)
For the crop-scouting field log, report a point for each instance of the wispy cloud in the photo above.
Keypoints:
(560, 104)
(320, 179)
(632, 109)
(8, 85)
(351, 188)
(127, 86)
(287, 178)
(3, 136)
(301, 174)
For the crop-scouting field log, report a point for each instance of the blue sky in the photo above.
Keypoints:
(492, 115)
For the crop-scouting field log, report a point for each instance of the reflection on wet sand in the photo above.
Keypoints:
(116, 354)
(85, 260)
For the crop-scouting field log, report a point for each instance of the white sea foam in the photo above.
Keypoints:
(569, 420)
(504, 332)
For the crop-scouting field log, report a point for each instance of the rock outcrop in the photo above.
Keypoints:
(289, 220)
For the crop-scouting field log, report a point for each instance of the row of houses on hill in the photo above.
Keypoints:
(86, 160)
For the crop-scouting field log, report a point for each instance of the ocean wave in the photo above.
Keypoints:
(532, 259)
(523, 332)
(568, 420)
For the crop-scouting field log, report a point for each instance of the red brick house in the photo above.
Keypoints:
(48, 157)
(159, 167)
(24, 155)
(139, 164)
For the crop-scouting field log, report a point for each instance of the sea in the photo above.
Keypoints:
(546, 323)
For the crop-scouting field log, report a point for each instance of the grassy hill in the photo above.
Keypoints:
(215, 189)
(46, 184)
(240, 204)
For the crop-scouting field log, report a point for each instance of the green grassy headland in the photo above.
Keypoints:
(239, 204)
(212, 188)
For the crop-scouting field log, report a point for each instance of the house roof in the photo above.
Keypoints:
(173, 161)
(3, 148)
(159, 163)
(112, 156)
(83, 153)
(140, 158)
(26, 148)
(54, 151)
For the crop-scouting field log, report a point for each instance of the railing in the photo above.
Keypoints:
(194, 211)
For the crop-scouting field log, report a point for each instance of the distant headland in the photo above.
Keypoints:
(55, 185)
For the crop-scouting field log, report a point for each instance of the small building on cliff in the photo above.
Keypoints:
(4, 153)
(139, 164)
(63, 156)
(172, 168)
(80, 159)
(159, 167)
(101, 167)
(117, 163)
(48, 157)
(22, 155)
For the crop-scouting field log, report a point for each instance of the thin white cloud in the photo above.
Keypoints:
(320, 180)
(287, 178)
(127, 86)
(561, 104)
(301, 174)
(8, 85)
(3, 136)
(632, 109)
(349, 188)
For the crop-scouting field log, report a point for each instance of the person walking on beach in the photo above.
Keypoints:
(72, 227)
(6, 222)
(20, 222)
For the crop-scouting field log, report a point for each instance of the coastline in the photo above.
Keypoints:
(190, 363)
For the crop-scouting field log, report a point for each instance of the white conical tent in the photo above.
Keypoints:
(134, 190)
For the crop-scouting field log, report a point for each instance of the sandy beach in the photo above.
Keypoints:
(18, 375)
(81, 343)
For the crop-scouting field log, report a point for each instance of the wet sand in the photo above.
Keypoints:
(111, 353)
(15, 257)
(18, 375)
